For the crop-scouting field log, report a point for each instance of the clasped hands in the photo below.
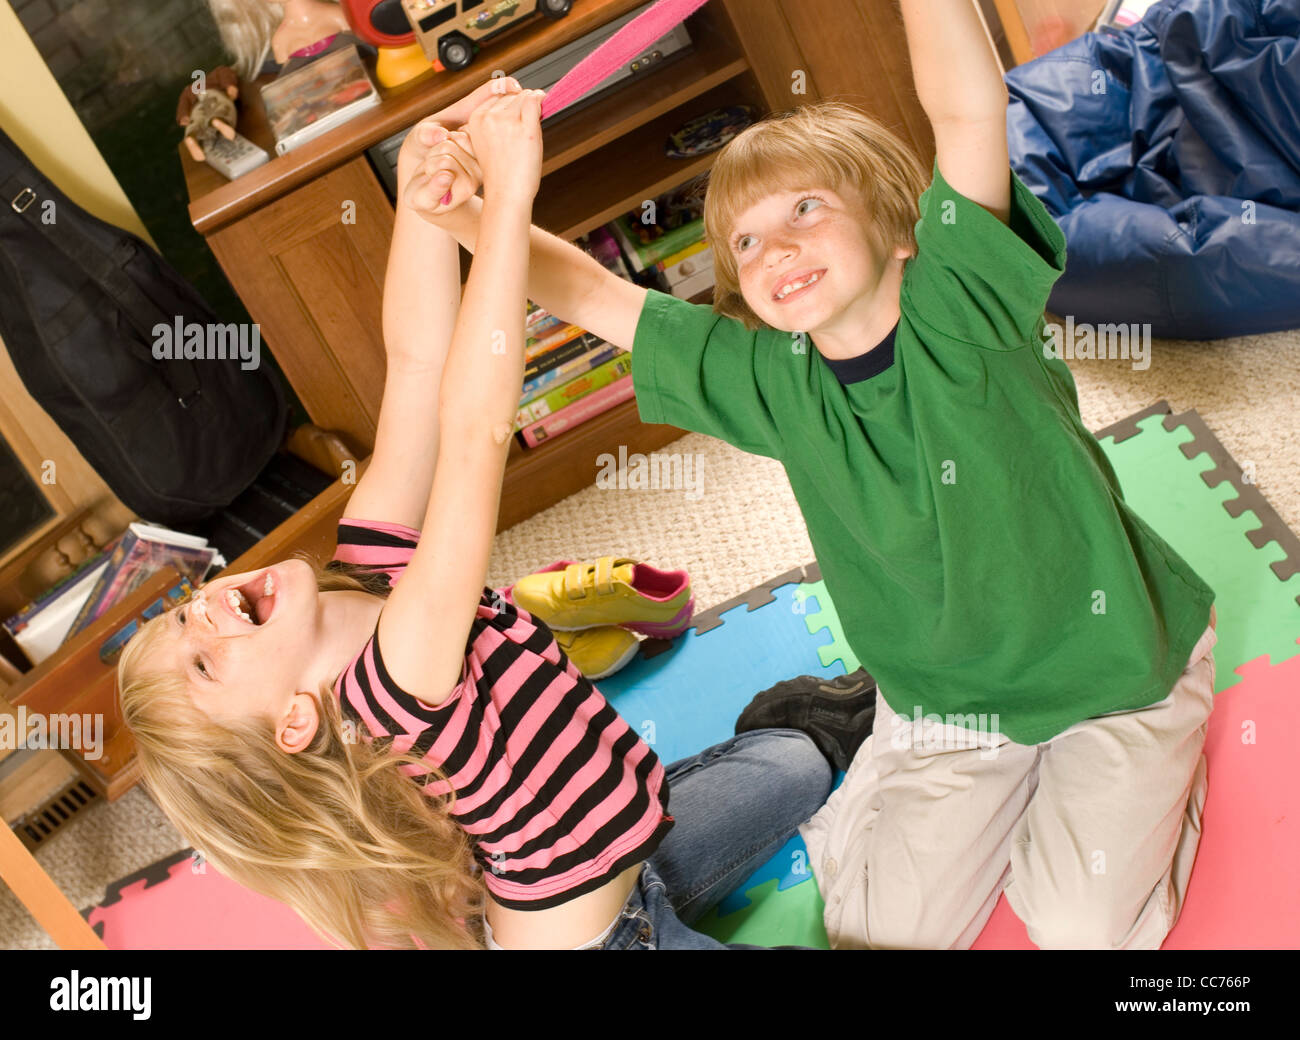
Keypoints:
(491, 138)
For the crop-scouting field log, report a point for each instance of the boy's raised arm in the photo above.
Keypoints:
(960, 86)
(561, 277)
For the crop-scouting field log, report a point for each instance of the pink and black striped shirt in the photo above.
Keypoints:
(557, 791)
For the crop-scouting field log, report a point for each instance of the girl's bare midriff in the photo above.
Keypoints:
(562, 927)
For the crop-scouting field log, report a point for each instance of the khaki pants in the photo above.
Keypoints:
(1092, 833)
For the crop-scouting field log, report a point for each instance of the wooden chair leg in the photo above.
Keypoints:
(42, 897)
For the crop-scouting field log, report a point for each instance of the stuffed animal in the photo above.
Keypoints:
(210, 111)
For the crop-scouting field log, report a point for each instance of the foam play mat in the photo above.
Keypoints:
(685, 695)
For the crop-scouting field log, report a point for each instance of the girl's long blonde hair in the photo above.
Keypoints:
(338, 831)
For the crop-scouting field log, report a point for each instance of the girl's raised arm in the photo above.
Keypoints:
(421, 302)
(426, 621)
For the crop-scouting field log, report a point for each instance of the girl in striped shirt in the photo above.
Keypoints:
(281, 716)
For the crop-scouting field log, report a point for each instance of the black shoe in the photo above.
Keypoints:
(836, 713)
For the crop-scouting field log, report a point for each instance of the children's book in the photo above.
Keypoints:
(579, 412)
(647, 244)
(112, 646)
(564, 353)
(593, 358)
(316, 98)
(58, 590)
(566, 394)
(537, 320)
(40, 628)
(674, 221)
(535, 348)
(140, 553)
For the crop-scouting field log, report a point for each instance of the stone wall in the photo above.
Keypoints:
(105, 53)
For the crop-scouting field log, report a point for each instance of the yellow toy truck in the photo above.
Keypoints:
(449, 30)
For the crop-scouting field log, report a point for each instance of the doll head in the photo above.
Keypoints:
(247, 27)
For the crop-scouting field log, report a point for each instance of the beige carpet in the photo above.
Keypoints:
(745, 527)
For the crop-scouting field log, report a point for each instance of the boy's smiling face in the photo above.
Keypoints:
(792, 236)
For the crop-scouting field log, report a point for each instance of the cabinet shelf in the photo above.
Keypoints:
(216, 202)
(538, 477)
(620, 175)
(714, 59)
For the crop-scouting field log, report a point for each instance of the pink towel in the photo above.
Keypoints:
(617, 51)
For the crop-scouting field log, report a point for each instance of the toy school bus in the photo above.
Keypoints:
(448, 30)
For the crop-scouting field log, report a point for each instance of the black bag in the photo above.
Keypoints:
(82, 304)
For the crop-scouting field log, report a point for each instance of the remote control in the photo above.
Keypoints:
(234, 158)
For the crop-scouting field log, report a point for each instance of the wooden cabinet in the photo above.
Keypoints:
(315, 286)
(315, 282)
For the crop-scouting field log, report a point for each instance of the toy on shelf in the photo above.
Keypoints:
(309, 101)
(447, 31)
(207, 111)
(708, 132)
(254, 30)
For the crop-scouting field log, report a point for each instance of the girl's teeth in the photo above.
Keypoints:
(267, 588)
(232, 597)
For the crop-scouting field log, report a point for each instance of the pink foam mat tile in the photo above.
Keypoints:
(180, 908)
(1244, 891)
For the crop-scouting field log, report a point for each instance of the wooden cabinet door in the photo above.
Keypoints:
(310, 269)
(845, 50)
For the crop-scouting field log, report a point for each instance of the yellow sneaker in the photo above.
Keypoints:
(598, 652)
(570, 596)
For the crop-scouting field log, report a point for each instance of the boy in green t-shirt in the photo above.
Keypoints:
(1042, 656)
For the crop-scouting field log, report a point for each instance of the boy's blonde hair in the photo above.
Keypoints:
(829, 143)
(337, 831)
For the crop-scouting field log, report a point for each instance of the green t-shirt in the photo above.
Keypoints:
(969, 528)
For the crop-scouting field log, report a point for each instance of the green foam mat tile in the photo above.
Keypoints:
(1163, 471)
(819, 616)
(795, 919)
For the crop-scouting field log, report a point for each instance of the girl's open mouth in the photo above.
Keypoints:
(254, 601)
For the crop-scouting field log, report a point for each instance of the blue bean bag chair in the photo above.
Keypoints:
(1169, 153)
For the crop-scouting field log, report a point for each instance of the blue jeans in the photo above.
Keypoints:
(735, 804)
